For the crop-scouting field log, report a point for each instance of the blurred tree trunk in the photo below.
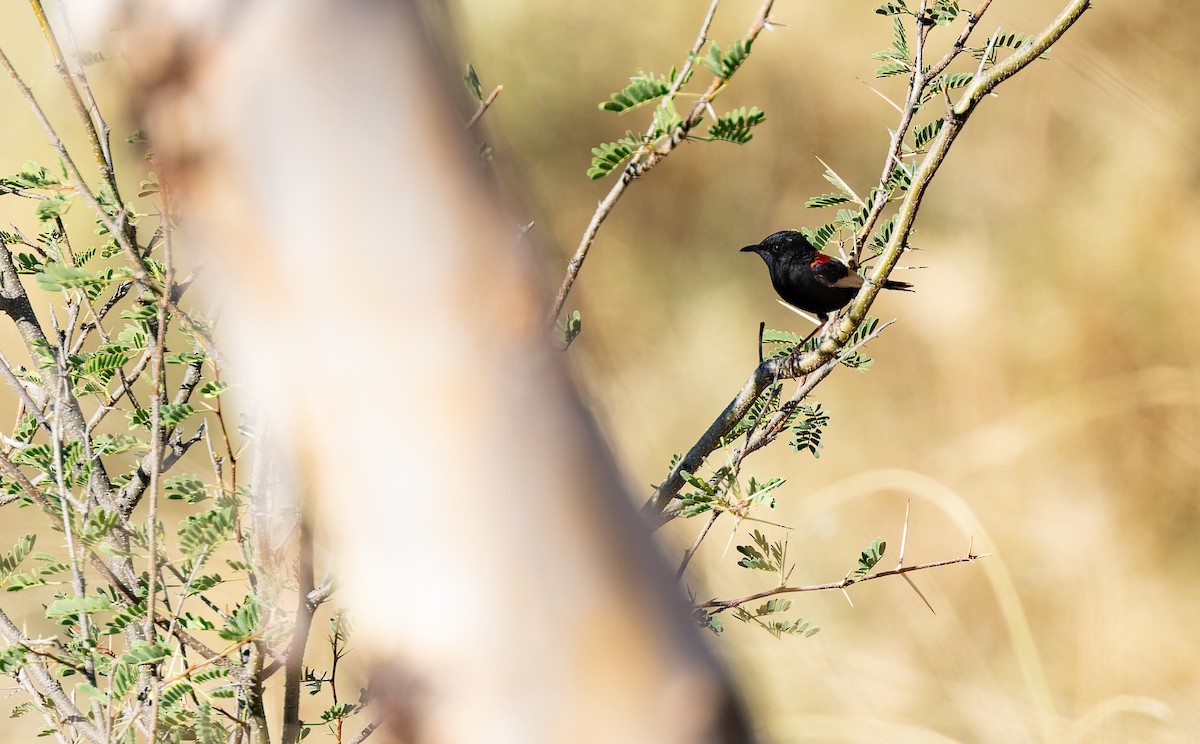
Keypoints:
(388, 317)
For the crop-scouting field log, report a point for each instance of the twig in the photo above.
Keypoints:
(157, 385)
(484, 105)
(367, 731)
(720, 605)
(645, 159)
(691, 551)
(294, 669)
(22, 393)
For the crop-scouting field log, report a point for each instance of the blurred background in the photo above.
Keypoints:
(1036, 399)
(1038, 393)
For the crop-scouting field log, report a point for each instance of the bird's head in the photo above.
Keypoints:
(784, 242)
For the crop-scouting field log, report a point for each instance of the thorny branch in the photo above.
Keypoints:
(720, 605)
(839, 330)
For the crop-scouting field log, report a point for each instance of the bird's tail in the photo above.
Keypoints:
(893, 284)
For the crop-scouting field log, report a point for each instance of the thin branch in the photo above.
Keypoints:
(691, 551)
(367, 731)
(484, 105)
(118, 227)
(103, 162)
(720, 605)
(157, 390)
(22, 393)
(294, 671)
(813, 367)
(68, 713)
(646, 158)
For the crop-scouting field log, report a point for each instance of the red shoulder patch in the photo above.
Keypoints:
(820, 259)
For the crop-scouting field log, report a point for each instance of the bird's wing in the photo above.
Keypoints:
(833, 273)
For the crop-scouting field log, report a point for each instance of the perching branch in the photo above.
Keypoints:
(835, 338)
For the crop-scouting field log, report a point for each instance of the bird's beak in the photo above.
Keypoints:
(750, 249)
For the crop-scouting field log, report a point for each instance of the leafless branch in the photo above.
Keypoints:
(484, 105)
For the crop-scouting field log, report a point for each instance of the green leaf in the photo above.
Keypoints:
(806, 434)
(56, 277)
(723, 65)
(123, 618)
(899, 40)
(184, 357)
(763, 555)
(51, 208)
(104, 366)
(138, 417)
(890, 69)
(187, 487)
(901, 177)
(643, 88)
(141, 652)
(759, 493)
(12, 659)
(773, 606)
(869, 559)
(944, 12)
(84, 256)
(608, 156)
(172, 693)
(133, 336)
(569, 328)
(692, 504)
(10, 561)
(173, 414)
(826, 200)
(883, 234)
(839, 183)
(213, 388)
(243, 623)
(666, 118)
(142, 311)
(1005, 41)
(855, 360)
(820, 237)
(149, 187)
(735, 126)
(473, 84)
(123, 678)
(25, 429)
(70, 607)
(38, 456)
(923, 135)
(202, 532)
(114, 444)
(33, 176)
(893, 8)
(29, 263)
(100, 523)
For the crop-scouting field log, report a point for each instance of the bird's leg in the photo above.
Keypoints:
(821, 324)
(762, 325)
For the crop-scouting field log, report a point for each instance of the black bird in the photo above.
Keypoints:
(808, 279)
